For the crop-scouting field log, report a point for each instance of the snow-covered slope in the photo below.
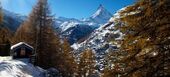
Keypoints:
(77, 32)
(101, 40)
(16, 68)
(75, 29)
(12, 20)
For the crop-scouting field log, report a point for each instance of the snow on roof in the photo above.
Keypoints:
(21, 43)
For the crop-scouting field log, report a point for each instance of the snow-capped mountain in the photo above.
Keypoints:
(74, 29)
(12, 20)
(70, 28)
(77, 32)
(101, 40)
(100, 16)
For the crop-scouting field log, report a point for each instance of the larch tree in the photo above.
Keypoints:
(67, 63)
(147, 40)
(86, 64)
(38, 31)
(5, 37)
(5, 41)
(112, 66)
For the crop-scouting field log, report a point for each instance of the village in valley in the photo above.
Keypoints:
(134, 41)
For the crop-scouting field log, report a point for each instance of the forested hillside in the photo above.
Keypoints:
(144, 50)
(135, 42)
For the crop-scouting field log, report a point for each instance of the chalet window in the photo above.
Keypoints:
(22, 53)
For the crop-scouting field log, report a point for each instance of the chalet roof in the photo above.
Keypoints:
(20, 43)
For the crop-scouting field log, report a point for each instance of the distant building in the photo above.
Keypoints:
(22, 50)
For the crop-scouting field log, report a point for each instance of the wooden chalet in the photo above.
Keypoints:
(22, 50)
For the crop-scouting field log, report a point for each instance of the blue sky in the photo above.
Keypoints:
(66, 8)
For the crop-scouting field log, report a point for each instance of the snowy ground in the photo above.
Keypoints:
(17, 68)
(5, 58)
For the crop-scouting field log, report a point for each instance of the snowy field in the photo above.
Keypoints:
(17, 68)
(5, 58)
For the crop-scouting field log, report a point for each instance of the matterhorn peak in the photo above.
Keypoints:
(101, 7)
(102, 15)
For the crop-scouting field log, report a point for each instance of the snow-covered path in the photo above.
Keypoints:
(16, 68)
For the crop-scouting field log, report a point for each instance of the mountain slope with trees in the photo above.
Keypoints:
(135, 42)
(144, 50)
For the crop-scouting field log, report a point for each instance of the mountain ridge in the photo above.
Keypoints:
(74, 29)
(12, 20)
(70, 28)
